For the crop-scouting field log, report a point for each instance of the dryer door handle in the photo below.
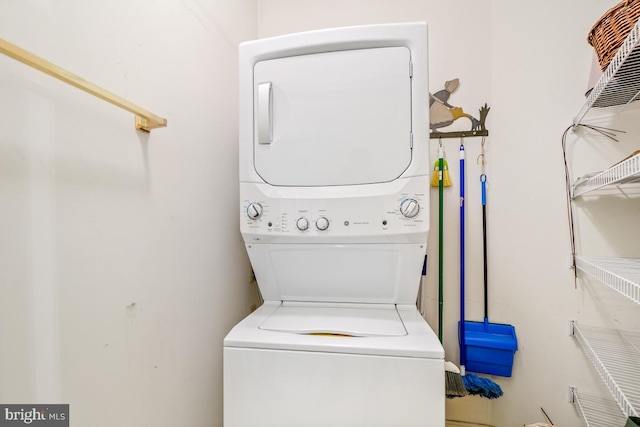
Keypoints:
(265, 117)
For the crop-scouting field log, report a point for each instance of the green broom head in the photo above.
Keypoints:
(446, 179)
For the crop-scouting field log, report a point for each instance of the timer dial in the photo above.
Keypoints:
(254, 210)
(409, 208)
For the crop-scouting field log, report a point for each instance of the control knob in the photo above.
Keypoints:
(409, 208)
(322, 223)
(254, 210)
(302, 224)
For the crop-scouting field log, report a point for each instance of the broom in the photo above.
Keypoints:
(437, 167)
(454, 387)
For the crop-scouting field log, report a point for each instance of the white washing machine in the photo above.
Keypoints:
(334, 208)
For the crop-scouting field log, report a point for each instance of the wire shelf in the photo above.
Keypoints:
(620, 82)
(596, 411)
(624, 172)
(616, 356)
(620, 274)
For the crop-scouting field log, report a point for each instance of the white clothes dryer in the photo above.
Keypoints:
(334, 208)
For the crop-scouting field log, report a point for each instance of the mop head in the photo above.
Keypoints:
(482, 387)
(446, 179)
(454, 387)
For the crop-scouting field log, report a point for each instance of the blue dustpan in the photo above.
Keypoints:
(490, 347)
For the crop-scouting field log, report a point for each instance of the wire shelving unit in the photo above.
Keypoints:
(620, 82)
(615, 355)
(596, 411)
(620, 274)
(626, 171)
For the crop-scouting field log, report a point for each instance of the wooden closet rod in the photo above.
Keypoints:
(144, 119)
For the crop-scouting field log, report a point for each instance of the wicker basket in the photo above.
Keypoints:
(608, 34)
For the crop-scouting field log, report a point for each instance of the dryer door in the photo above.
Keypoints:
(334, 118)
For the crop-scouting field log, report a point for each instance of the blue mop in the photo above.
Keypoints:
(480, 386)
(474, 384)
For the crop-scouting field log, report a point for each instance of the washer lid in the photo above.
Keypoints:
(418, 340)
(348, 320)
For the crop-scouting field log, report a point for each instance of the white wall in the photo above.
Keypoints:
(122, 267)
(530, 62)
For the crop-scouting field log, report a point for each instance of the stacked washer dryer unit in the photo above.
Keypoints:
(334, 208)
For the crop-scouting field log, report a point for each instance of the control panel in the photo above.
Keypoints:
(282, 212)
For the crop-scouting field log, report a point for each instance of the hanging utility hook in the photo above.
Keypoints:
(481, 157)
